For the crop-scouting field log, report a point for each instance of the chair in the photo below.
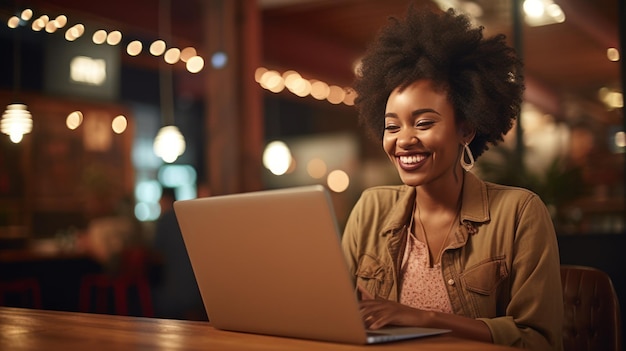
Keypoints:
(131, 280)
(591, 310)
(23, 292)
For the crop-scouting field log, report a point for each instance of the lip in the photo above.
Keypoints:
(411, 161)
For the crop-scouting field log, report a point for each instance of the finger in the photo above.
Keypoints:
(365, 295)
(368, 319)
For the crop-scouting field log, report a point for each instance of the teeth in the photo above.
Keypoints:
(412, 159)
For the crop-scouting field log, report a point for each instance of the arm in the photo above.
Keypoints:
(378, 313)
(533, 316)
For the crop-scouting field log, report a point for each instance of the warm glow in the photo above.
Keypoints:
(172, 55)
(74, 120)
(187, 53)
(99, 37)
(157, 48)
(39, 23)
(114, 38)
(293, 81)
(13, 22)
(338, 181)
(169, 144)
(301, 87)
(316, 168)
(349, 98)
(620, 139)
(272, 81)
(277, 157)
(134, 48)
(119, 124)
(26, 15)
(291, 78)
(195, 64)
(542, 12)
(75, 32)
(611, 98)
(336, 94)
(60, 21)
(88, 70)
(16, 121)
(533, 8)
(258, 73)
(51, 27)
(612, 54)
(320, 90)
(554, 11)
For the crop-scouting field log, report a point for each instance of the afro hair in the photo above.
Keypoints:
(482, 77)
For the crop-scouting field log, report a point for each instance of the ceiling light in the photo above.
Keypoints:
(612, 54)
(169, 143)
(542, 12)
(134, 48)
(13, 22)
(157, 48)
(26, 15)
(114, 38)
(16, 121)
(195, 64)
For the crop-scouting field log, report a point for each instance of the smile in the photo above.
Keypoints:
(411, 162)
(411, 159)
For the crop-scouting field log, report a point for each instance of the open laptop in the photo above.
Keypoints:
(270, 262)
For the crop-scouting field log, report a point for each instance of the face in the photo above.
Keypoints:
(421, 137)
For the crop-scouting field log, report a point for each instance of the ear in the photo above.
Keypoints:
(466, 133)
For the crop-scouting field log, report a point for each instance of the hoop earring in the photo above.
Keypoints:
(466, 150)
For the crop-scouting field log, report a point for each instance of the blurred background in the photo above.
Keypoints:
(108, 105)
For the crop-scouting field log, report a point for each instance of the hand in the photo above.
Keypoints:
(377, 312)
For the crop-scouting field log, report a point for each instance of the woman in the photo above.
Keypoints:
(445, 249)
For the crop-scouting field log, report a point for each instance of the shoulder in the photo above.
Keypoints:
(516, 202)
(499, 193)
(383, 200)
(385, 191)
(384, 195)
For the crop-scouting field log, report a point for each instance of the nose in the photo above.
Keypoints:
(407, 138)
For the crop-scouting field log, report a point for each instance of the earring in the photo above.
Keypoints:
(466, 150)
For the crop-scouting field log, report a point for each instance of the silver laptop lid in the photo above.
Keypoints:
(270, 262)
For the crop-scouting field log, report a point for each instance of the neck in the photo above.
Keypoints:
(441, 196)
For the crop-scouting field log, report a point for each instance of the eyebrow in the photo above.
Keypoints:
(414, 113)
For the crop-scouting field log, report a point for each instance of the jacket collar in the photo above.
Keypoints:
(474, 206)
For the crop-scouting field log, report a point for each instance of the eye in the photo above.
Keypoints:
(424, 124)
(391, 127)
(391, 124)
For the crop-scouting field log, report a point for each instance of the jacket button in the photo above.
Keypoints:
(450, 281)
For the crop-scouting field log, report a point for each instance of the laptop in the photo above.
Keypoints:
(270, 262)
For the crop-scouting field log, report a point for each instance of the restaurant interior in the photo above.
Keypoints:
(109, 106)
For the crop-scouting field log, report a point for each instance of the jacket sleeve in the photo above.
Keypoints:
(349, 239)
(534, 315)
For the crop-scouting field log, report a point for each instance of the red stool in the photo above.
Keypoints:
(133, 277)
(24, 290)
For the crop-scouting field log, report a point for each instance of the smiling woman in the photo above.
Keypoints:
(446, 249)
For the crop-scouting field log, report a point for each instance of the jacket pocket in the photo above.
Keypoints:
(374, 276)
(485, 277)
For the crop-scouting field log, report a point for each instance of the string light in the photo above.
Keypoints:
(275, 82)
(157, 48)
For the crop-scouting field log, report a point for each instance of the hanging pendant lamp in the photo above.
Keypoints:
(16, 121)
(169, 142)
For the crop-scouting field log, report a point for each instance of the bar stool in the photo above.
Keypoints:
(99, 291)
(22, 292)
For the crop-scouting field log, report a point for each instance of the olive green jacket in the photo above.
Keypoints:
(501, 266)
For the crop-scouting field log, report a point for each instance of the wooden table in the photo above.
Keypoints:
(27, 329)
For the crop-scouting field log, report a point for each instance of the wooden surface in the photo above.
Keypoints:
(27, 329)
